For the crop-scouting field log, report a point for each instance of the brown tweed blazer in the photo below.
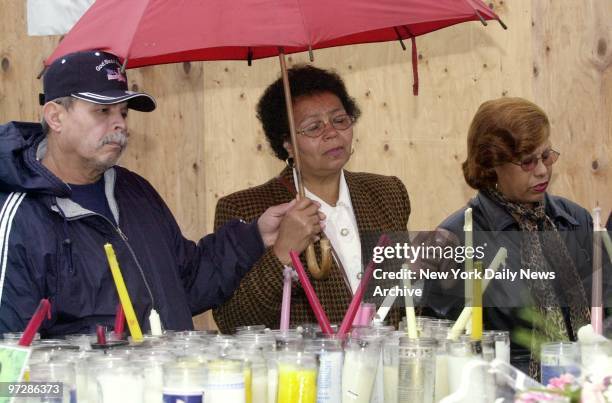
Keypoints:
(380, 203)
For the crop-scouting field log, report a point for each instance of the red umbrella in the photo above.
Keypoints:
(149, 32)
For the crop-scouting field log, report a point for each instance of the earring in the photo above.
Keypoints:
(290, 162)
(352, 150)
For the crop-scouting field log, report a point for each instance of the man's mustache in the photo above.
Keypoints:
(119, 138)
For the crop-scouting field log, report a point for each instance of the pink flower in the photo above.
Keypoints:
(537, 397)
(561, 382)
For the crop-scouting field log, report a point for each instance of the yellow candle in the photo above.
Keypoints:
(248, 384)
(296, 385)
(124, 297)
(477, 303)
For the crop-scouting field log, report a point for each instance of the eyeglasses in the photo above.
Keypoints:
(548, 158)
(316, 129)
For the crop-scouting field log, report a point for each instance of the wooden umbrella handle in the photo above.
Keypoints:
(320, 272)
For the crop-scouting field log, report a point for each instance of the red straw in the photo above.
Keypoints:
(119, 322)
(311, 295)
(347, 322)
(44, 309)
(101, 333)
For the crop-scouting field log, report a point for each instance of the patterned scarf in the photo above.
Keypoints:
(543, 250)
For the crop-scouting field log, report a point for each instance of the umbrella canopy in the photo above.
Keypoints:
(149, 32)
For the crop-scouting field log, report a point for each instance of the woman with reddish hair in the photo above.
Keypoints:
(545, 288)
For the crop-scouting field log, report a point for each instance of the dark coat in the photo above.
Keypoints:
(53, 248)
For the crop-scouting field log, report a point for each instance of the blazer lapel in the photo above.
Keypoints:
(368, 213)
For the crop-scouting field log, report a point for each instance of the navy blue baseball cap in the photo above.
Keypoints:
(92, 76)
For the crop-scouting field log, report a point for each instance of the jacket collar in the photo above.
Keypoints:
(368, 214)
(71, 210)
(499, 219)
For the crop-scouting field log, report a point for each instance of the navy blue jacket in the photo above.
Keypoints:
(50, 247)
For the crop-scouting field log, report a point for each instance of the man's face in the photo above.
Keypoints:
(94, 134)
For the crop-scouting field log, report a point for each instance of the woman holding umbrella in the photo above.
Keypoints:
(509, 162)
(354, 203)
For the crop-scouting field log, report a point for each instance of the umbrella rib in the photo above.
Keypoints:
(306, 32)
(131, 41)
(399, 38)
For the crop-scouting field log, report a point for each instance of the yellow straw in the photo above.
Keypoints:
(124, 297)
(477, 302)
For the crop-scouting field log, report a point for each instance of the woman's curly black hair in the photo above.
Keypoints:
(304, 80)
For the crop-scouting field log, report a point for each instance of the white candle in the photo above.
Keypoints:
(155, 323)
(391, 379)
(120, 387)
(225, 382)
(358, 374)
(329, 379)
(469, 261)
(153, 381)
(384, 309)
(260, 387)
(378, 395)
(272, 383)
(441, 384)
(410, 312)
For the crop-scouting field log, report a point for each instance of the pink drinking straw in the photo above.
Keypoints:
(345, 326)
(365, 314)
(596, 298)
(313, 300)
(286, 307)
(44, 309)
(119, 322)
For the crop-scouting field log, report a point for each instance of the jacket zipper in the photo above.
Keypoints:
(125, 240)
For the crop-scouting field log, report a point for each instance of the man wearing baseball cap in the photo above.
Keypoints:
(62, 198)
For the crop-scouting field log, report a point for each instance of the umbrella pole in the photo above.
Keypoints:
(292, 131)
(318, 271)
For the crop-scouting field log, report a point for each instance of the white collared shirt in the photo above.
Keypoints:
(341, 230)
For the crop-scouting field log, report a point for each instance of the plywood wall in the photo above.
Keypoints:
(204, 141)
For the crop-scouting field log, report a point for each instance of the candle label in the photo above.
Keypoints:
(13, 361)
(329, 381)
(179, 396)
